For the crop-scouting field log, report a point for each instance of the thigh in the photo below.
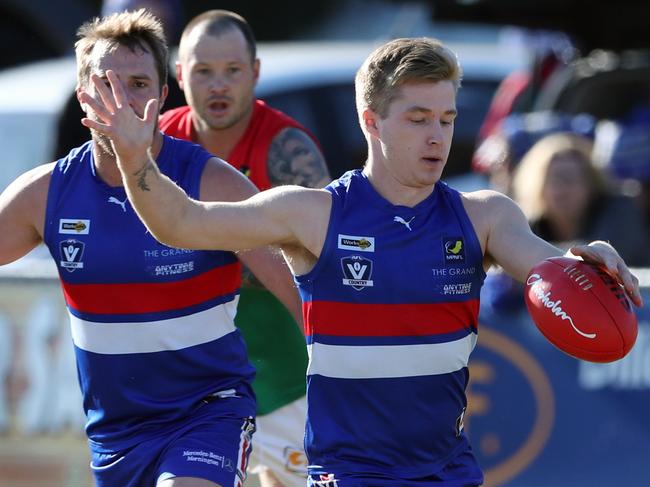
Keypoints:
(215, 451)
(279, 444)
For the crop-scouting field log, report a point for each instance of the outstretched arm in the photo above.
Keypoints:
(510, 243)
(264, 265)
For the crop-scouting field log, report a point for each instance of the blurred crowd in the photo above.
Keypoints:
(577, 178)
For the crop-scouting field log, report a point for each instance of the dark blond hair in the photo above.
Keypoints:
(402, 61)
(530, 175)
(134, 29)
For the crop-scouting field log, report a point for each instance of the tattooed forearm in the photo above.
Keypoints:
(141, 173)
(294, 158)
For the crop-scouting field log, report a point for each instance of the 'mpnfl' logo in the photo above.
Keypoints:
(71, 253)
(357, 271)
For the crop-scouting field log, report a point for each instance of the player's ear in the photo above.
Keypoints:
(256, 70)
(179, 75)
(370, 119)
(163, 97)
(83, 106)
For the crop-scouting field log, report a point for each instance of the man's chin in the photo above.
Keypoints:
(221, 123)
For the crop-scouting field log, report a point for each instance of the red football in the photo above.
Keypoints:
(581, 309)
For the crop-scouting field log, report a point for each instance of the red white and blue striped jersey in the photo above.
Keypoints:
(391, 316)
(152, 326)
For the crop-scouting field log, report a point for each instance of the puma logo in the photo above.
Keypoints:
(401, 220)
(113, 199)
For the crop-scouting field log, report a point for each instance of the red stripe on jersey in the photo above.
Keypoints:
(351, 319)
(152, 297)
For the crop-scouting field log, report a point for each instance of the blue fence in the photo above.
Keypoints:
(538, 417)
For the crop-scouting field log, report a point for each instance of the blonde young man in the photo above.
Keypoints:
(217, 69)
(389, 262)
(163, 370)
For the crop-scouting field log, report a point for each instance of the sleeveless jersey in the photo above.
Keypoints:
(275, 345)
(391, 316)
(152, 326)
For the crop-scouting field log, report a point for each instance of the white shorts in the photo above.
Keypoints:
(278, 444)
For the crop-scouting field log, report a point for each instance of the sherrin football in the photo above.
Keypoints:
(581, 309)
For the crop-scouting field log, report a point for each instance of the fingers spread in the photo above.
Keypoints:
(607, 257)
(151, 111)
(96, 106)
(117, 90)
(630, 283)
(105, 95)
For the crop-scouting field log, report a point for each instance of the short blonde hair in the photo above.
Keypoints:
(402, 61)
(530, 175)
(133, 29)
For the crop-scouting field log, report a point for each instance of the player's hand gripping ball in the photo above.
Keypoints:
(581, 309)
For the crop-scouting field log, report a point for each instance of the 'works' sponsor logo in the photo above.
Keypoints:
(361, 244)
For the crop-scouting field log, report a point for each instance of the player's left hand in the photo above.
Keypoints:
(603, 254)
(130, 134)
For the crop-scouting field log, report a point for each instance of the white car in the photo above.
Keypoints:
(311, 81)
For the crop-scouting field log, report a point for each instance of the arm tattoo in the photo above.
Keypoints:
(294, 158)
(141, 173)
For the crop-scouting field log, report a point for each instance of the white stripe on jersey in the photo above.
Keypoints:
(386, 361)
(155, 336)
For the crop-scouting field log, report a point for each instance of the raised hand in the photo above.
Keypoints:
(131, 134)
(602, 253)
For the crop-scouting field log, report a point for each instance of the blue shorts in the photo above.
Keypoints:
(462, 471)
(215, 449)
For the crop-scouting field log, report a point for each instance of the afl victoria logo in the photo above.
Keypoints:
(511, 407)
(357, 272)
(71, 252)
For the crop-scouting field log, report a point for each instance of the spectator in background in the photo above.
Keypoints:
(568, 200)
(500, 152)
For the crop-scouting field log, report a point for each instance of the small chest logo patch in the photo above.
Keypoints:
(358, 244)
(71, 251)
(454, 249)
(73, 226)
(357, 272)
